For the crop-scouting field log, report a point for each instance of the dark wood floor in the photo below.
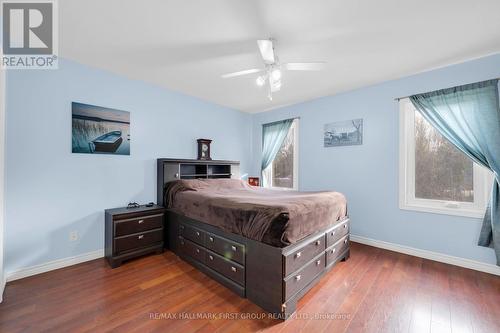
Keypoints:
(374, 291)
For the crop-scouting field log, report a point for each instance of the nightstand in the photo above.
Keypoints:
(133, 232)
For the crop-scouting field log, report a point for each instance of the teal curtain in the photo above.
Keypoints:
(469, 117)
(273, 135)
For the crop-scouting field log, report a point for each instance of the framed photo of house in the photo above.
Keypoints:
(343, 133)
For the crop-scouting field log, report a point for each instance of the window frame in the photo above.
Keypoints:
(482, 177)
(267, 174)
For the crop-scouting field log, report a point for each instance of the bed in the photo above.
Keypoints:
(270, 246)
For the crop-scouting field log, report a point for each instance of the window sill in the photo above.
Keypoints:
(280, 188)
(474, 213)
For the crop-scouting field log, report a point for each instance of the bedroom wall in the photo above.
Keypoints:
(368, 174)
(51, 192)
(2, 167)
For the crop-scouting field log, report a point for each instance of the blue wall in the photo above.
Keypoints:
(368, 174)
(50, 191)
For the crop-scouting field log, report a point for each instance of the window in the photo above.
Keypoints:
(435, 176)
(283, 170)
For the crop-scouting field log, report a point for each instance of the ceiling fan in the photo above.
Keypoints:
(272, 67)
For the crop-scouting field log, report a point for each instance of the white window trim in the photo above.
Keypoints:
(483, 178)
(267, 174)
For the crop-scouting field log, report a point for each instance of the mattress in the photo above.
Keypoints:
(275, 217)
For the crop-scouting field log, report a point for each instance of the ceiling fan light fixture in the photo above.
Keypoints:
(274, 85)
(271, 75)
(276, 74)
(261, 80)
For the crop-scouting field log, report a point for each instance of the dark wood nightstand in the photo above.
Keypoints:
(132, 232)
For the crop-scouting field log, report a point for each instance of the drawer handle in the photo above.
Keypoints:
(345, 241)
(333, 251)
(298, 254)
(140, 237)
(318, 242)
(197, 250)
(211, 239)
(211, 257)
(318, 262)
(333, 233)
(233, 247)
(140, 221)
(297, 278)
(198, 233)
(233, 269)
(345, 226)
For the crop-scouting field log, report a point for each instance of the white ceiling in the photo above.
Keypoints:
(185, 45)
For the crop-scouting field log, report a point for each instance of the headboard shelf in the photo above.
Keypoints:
(169, 169)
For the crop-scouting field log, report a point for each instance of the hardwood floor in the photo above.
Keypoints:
(374, 291)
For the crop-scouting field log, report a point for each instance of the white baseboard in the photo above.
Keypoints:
(444, 258)
(55, 264)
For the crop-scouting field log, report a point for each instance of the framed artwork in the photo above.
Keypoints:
(254, 181)
(99, 130)
(344, 133)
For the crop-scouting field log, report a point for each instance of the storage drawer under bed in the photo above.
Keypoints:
(335, 251)
(193, 234)
(299, 257)
(226, 267)
(299, 280)
(339, 231)
(227, 248)
(193, 250)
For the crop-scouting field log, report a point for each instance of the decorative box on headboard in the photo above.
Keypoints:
(169, 169)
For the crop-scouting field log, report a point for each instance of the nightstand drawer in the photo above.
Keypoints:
(136, 241)
(138, 224)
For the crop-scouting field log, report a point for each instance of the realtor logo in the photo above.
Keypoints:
(29, 34)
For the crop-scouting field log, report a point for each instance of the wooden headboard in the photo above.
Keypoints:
(169, 169)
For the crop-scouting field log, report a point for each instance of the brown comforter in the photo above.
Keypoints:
(275, 217)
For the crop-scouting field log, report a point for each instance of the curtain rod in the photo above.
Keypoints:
(277, 121)
(400, 98)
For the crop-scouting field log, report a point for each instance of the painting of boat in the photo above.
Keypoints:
(107, 143)
(99, 130)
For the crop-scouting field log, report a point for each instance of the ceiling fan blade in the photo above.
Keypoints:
(240, 73)
(305, 66)
(266, 50)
